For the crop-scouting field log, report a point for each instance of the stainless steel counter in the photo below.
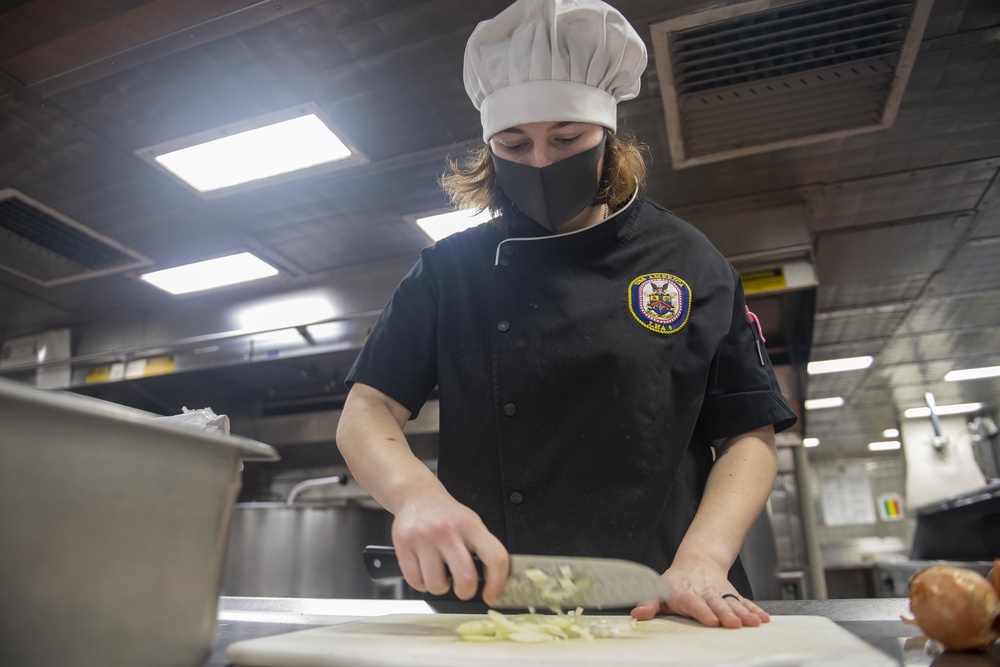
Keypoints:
(876, 621)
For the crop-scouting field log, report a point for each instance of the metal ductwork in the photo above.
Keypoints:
(48, 248)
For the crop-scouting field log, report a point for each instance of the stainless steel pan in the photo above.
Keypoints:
(113, 532)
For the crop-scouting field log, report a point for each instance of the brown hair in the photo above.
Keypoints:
(472, 183)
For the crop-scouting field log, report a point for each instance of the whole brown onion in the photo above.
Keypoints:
(955, 606)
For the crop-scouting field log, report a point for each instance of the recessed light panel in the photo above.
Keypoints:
(838, 365)
(884, 446)
(954, 409)
(445, 224)
(255, 152)
(284, 311)
(210, 274)
(823, 403)
(973, 374)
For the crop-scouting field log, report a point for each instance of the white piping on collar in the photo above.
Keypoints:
(496, 259)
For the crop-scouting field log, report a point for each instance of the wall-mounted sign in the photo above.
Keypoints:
(847, 495)
(107, 373)
(152, 366)
(764, 280)
(787, 276)
(890, 507)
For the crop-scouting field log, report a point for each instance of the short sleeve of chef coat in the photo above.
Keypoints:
(399, 358)
(742, 395)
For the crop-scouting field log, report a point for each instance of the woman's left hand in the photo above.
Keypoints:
(702, 592)
(736, 491)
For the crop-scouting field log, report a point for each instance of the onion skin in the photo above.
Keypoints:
(956, 607)
(994, 576)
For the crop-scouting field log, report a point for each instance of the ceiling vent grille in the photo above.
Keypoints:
(44, 246)
(764, 75)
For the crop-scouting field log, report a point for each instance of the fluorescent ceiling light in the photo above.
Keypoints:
(445, 224)
(821, 403)
(280, 337)
(810, 442)
(278, 148)
(210, 274)
(328, 331)
(285, 312)
(890, 433)
(838, 365)
(954, 409)
(973, 373)
(884, 446)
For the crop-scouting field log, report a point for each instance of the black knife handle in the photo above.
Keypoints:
(381, 563)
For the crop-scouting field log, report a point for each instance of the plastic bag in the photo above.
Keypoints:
(203, 419)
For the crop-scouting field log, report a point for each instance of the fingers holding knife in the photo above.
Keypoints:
(496, 566)
(436, 555)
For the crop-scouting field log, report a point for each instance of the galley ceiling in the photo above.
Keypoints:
(901, 223)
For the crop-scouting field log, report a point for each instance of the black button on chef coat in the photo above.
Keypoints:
(628, 351)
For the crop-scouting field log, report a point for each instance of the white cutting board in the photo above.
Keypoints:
(430, 641)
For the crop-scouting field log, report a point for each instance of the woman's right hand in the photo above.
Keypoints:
(433, 532)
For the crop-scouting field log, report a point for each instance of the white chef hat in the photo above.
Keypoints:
(553, 60)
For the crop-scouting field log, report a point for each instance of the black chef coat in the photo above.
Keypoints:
(582, 378)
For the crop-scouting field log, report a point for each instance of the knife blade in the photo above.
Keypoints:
(543, 582)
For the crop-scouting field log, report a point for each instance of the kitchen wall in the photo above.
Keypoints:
(865, 506)
(872, 536)
(942, 462)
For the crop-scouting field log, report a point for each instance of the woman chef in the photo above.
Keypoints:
(601, 382)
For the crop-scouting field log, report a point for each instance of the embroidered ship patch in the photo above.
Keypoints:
(660, 302)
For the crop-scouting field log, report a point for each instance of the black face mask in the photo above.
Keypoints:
(552, 195)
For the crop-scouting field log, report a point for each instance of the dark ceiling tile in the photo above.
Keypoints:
(866, 292)
(862, 324)
(958, 311)
(973, 269)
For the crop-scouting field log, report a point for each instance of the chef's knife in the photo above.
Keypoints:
(591, 583)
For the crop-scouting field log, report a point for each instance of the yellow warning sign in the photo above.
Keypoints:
(160, 365)
(98, 374)
(764, 280)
